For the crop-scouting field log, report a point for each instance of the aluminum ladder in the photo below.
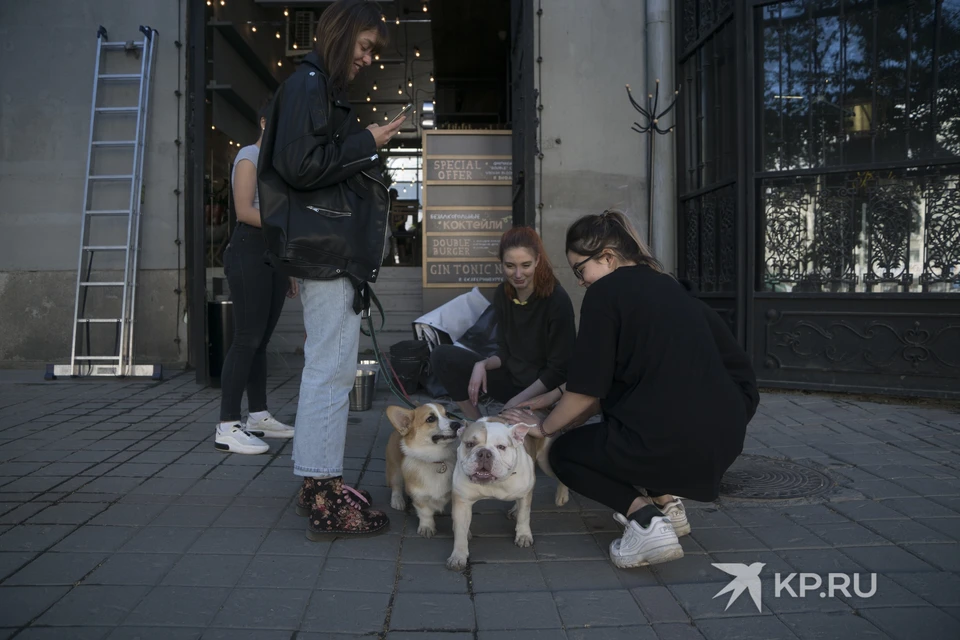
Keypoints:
(102, 225)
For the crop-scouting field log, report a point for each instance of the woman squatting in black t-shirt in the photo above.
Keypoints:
(535, 333)
(675, 389)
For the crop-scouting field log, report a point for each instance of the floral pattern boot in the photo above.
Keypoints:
(333, 513)
(308, 492)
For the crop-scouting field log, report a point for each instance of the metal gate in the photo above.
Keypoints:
(819, 161)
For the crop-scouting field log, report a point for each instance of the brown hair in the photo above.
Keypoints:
(544, 279)
(339, 27)
(611, 231)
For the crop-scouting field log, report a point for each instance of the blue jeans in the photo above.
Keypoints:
(329, 370)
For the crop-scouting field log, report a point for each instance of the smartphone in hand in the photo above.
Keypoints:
(406, 108)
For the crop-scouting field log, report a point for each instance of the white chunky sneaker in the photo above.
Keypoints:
(235, 439)
(678, 516)
(639, 546)
(270, 427)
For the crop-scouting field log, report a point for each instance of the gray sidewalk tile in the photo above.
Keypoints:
(502, 577)
(693, 569)
(178, 607)
(133, 569)
(774, 562)
(221, 540)
(253, 634)
(294, 542)
(272, 571)
(886, 559)
(433, 578)
(939, 589)
(605, 633)
(11, 561)
(614, 608)
(28, 537)
(56, 568)
(942, 556)
(148, 633)
(848, 535)
(513, 611)
(757, 516)
(347, 574)
(22, 512)
(183, 515)
(903, 623)
(788, 536)
(580, 575)
(698, 601)
(340, 612)
(23, 604)
(429, 635)
(568, 547)
(128, 514)
(675, 631)
(263, 609)
(434, 611)
(381, 547)
(495, 550)
(860, 510)
(819, 561)
(906, 531)
(89, 605)
(659, 605)
(245, 516)
(950, 527)
(820, 626)
(58, 633)
(207, 571)
(727, 539)
(153, 539)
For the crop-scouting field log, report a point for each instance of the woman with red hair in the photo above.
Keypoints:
(535, 333)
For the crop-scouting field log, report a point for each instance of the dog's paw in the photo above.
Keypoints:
(457, 562)
(562, 496)
(397, 502)
(512, 513)
(427, 530)
(523, 540)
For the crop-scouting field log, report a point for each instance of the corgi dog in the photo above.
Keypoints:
(421, 457)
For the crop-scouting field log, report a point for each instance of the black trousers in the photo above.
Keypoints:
(454, 366)
(257, 291)
(580, 460)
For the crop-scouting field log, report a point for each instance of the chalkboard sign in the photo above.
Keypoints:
(471, 273)
(470, 170)
(470, 220)
(468, 191)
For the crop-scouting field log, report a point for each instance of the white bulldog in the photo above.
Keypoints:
(493, 463)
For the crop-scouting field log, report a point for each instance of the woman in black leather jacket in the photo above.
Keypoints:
(324, 211)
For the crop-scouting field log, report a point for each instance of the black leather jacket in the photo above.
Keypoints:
(323, 206)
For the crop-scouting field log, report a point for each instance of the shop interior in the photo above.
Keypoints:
(449, 58)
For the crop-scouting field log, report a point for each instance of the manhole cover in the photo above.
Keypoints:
(759, 478)
(353, 420)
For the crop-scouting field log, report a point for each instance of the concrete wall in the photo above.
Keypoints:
(46, 75)
(592, 160)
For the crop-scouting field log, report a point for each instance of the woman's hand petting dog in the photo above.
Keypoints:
(523, 414)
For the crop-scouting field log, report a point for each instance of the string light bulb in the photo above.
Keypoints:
(374, 107)
(425, 7)
(416, 51)
(398, 21)
(278, 35)
(209, 2)
(368, 97)
(213, 128)
(374, 86)
(382, 67)
(254, 29)
(409, 82)
(431, 77)
(279, 63)
(376, 56)
(223, 3)
(286, 14)
(384, 116)
(383, 18)
(400, 89)
(294, 45)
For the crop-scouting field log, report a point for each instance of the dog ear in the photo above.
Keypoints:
(461, 429)
(400, 418)
(519, 431)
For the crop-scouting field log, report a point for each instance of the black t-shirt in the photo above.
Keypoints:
(535, 340)
(658, 358)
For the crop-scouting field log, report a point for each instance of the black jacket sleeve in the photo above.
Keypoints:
(561, 336)
(308, 152)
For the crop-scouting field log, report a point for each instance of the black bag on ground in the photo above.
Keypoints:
(409, 359)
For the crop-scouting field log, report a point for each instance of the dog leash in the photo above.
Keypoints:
(386, 368)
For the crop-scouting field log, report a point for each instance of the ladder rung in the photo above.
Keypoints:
(114, 143)
(112, 177)
(97, 320)
(105, 248)
(102, 284)
(120, 77)
(117, 358)
(121, 45)
(117, 109)
(108, 212)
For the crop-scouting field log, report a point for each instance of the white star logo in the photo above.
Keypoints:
(745, 578)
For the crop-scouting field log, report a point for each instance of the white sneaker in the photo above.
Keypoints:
(235, 439)
(678, 516)
(639, 546)
(270, 427)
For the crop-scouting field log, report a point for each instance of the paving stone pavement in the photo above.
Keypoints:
(119, 519)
